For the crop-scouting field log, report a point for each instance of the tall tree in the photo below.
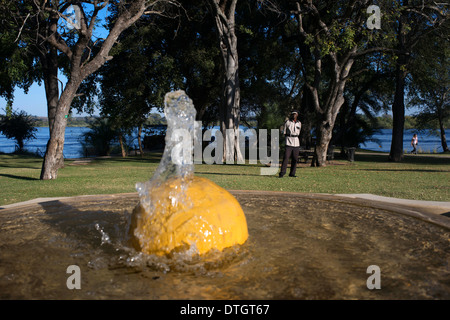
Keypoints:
(46, 26)
(224, 15)
(367, 92)
(333, 34)
(430, 88)
(415, 20)
(336, 35)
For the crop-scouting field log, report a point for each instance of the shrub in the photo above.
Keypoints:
(18, 126)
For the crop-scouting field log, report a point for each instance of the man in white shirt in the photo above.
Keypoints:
(291, 132)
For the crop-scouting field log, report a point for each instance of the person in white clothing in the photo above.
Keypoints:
(291, 131)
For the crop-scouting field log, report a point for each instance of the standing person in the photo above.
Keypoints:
(414, 143)
(291, 131)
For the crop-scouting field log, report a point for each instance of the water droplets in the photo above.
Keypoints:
(105, 236)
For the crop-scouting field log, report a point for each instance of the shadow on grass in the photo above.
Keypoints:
(408, 159)
(405, 170)
(12, 176)
(228, 173)
(22, 166)
(20, 162)
(151, 158)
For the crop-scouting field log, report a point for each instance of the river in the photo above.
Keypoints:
(427, 143)
(72, 143)
(73, 149)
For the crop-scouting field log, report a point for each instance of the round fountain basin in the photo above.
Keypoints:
(299, 247)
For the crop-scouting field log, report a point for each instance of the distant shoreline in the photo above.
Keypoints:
(71, 121)
(384, 122)
(87, 121)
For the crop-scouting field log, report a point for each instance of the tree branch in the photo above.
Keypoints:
(124, 20)
(377, 49)
(315, 96)
(20, 30)
(60, 45)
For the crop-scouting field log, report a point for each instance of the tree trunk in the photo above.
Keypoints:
(49, 62)
(443, 138)
(330, 111)
(54, 158)
(398, 115)
(306, 116)
(81, 66)
(122, 147)
(341, 136)
(231, 107)
(225, 23)
(442, 131)
(325, 131)
(398, 106)
(50, 71)
(141, 150)
(20, 144)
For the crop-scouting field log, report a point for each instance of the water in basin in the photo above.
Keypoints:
(299, 247)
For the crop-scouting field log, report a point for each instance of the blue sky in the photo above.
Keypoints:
(34, 102)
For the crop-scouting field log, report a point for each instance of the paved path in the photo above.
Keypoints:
(434, 207)
(81, 161)
(437, 155)
(437, 207)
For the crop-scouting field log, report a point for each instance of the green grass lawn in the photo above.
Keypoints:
(419, 177)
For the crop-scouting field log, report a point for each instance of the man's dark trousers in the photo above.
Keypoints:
(290, 153)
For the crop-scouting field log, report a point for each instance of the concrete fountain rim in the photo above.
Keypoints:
(434, 212)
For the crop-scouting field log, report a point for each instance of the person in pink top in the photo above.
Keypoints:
(414, 143)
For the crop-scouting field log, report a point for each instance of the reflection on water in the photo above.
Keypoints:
(298, 248)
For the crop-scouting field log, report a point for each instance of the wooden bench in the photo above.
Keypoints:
(306, 154)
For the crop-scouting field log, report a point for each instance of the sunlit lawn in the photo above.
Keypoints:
(420, 177)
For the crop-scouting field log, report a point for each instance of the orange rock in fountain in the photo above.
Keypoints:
(192, 214)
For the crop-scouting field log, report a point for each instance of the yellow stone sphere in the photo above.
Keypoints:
(214, 220)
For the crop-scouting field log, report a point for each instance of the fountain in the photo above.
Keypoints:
(287, 246)
(179, 211)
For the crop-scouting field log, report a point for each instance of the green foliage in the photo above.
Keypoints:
(99, 140)
(15, 62)
(9, 109)
(158, 55)
(430, 86)
(18, 126)
(385, 122)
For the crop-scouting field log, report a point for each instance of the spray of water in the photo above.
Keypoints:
(180, 114)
